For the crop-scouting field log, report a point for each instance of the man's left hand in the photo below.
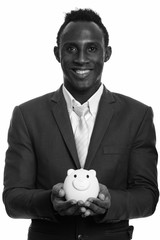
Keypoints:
(99, 205)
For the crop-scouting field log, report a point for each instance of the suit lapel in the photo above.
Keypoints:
(61, 116)
(104, 116)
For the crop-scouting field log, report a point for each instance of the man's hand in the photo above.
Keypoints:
(99, 205)
(60, 205)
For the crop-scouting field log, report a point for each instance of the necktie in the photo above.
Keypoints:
(81, 133)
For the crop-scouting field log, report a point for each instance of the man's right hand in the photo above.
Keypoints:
(60, 205)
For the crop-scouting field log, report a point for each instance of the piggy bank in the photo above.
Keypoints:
(81, 184)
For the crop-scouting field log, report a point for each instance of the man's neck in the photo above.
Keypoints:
(83, 95)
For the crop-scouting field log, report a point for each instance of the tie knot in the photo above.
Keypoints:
(81, 110)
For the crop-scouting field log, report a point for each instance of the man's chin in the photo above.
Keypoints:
(82, 87)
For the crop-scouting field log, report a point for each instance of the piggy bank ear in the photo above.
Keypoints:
(93, 172)
(70, 171)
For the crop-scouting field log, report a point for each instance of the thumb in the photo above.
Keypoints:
(103, 193)
(57, 190)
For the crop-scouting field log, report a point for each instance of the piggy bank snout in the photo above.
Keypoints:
(81, 184)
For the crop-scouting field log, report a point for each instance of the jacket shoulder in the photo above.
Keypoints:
(39, 103)
(36, 101)
(129, 101)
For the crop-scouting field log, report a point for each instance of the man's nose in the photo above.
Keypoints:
(81, 58)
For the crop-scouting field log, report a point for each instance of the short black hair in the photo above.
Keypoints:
(83, 15)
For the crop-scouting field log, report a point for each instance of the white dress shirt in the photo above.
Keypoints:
(90, 117)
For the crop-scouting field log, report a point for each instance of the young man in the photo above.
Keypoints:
(119, 144)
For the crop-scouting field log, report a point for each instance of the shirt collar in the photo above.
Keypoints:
(93, 101)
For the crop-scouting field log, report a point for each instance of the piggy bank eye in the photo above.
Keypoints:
(87, 176)
(75, 175)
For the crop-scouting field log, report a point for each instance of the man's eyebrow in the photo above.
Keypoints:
(74, 43)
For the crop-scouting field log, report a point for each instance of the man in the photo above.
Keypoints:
(120, 146)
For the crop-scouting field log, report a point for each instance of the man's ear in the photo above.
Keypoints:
(108, 53)
(56, 53)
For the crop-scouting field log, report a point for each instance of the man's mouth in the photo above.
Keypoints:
(82, 73)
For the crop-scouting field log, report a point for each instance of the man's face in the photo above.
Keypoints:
(82, 54)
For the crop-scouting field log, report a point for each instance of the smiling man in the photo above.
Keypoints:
(81, 125)
(82, 53)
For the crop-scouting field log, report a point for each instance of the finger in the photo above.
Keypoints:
(72, 210)
(80, 203)
(108, 202)
(98, 206)
(103, 193)
(61, 205)
(57, 190)
(95, 209)
(61, 193)
(102, 203)
(87, 213)
(101, 196)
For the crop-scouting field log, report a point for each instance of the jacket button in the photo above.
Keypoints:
(80, 237)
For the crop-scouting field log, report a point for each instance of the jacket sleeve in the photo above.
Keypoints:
(140, 197)
(20, 196)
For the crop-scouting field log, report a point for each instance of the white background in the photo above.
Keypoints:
(28, 69)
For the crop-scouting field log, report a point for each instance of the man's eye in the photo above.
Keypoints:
(72, 49)
(92, 49)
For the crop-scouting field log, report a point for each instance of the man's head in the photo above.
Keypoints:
(82, 50)
(86, 15)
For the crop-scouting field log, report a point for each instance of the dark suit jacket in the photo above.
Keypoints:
(42, 149)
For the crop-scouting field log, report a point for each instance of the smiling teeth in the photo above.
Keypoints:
(82, 71)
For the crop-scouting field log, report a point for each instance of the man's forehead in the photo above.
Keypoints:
(82, 31)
